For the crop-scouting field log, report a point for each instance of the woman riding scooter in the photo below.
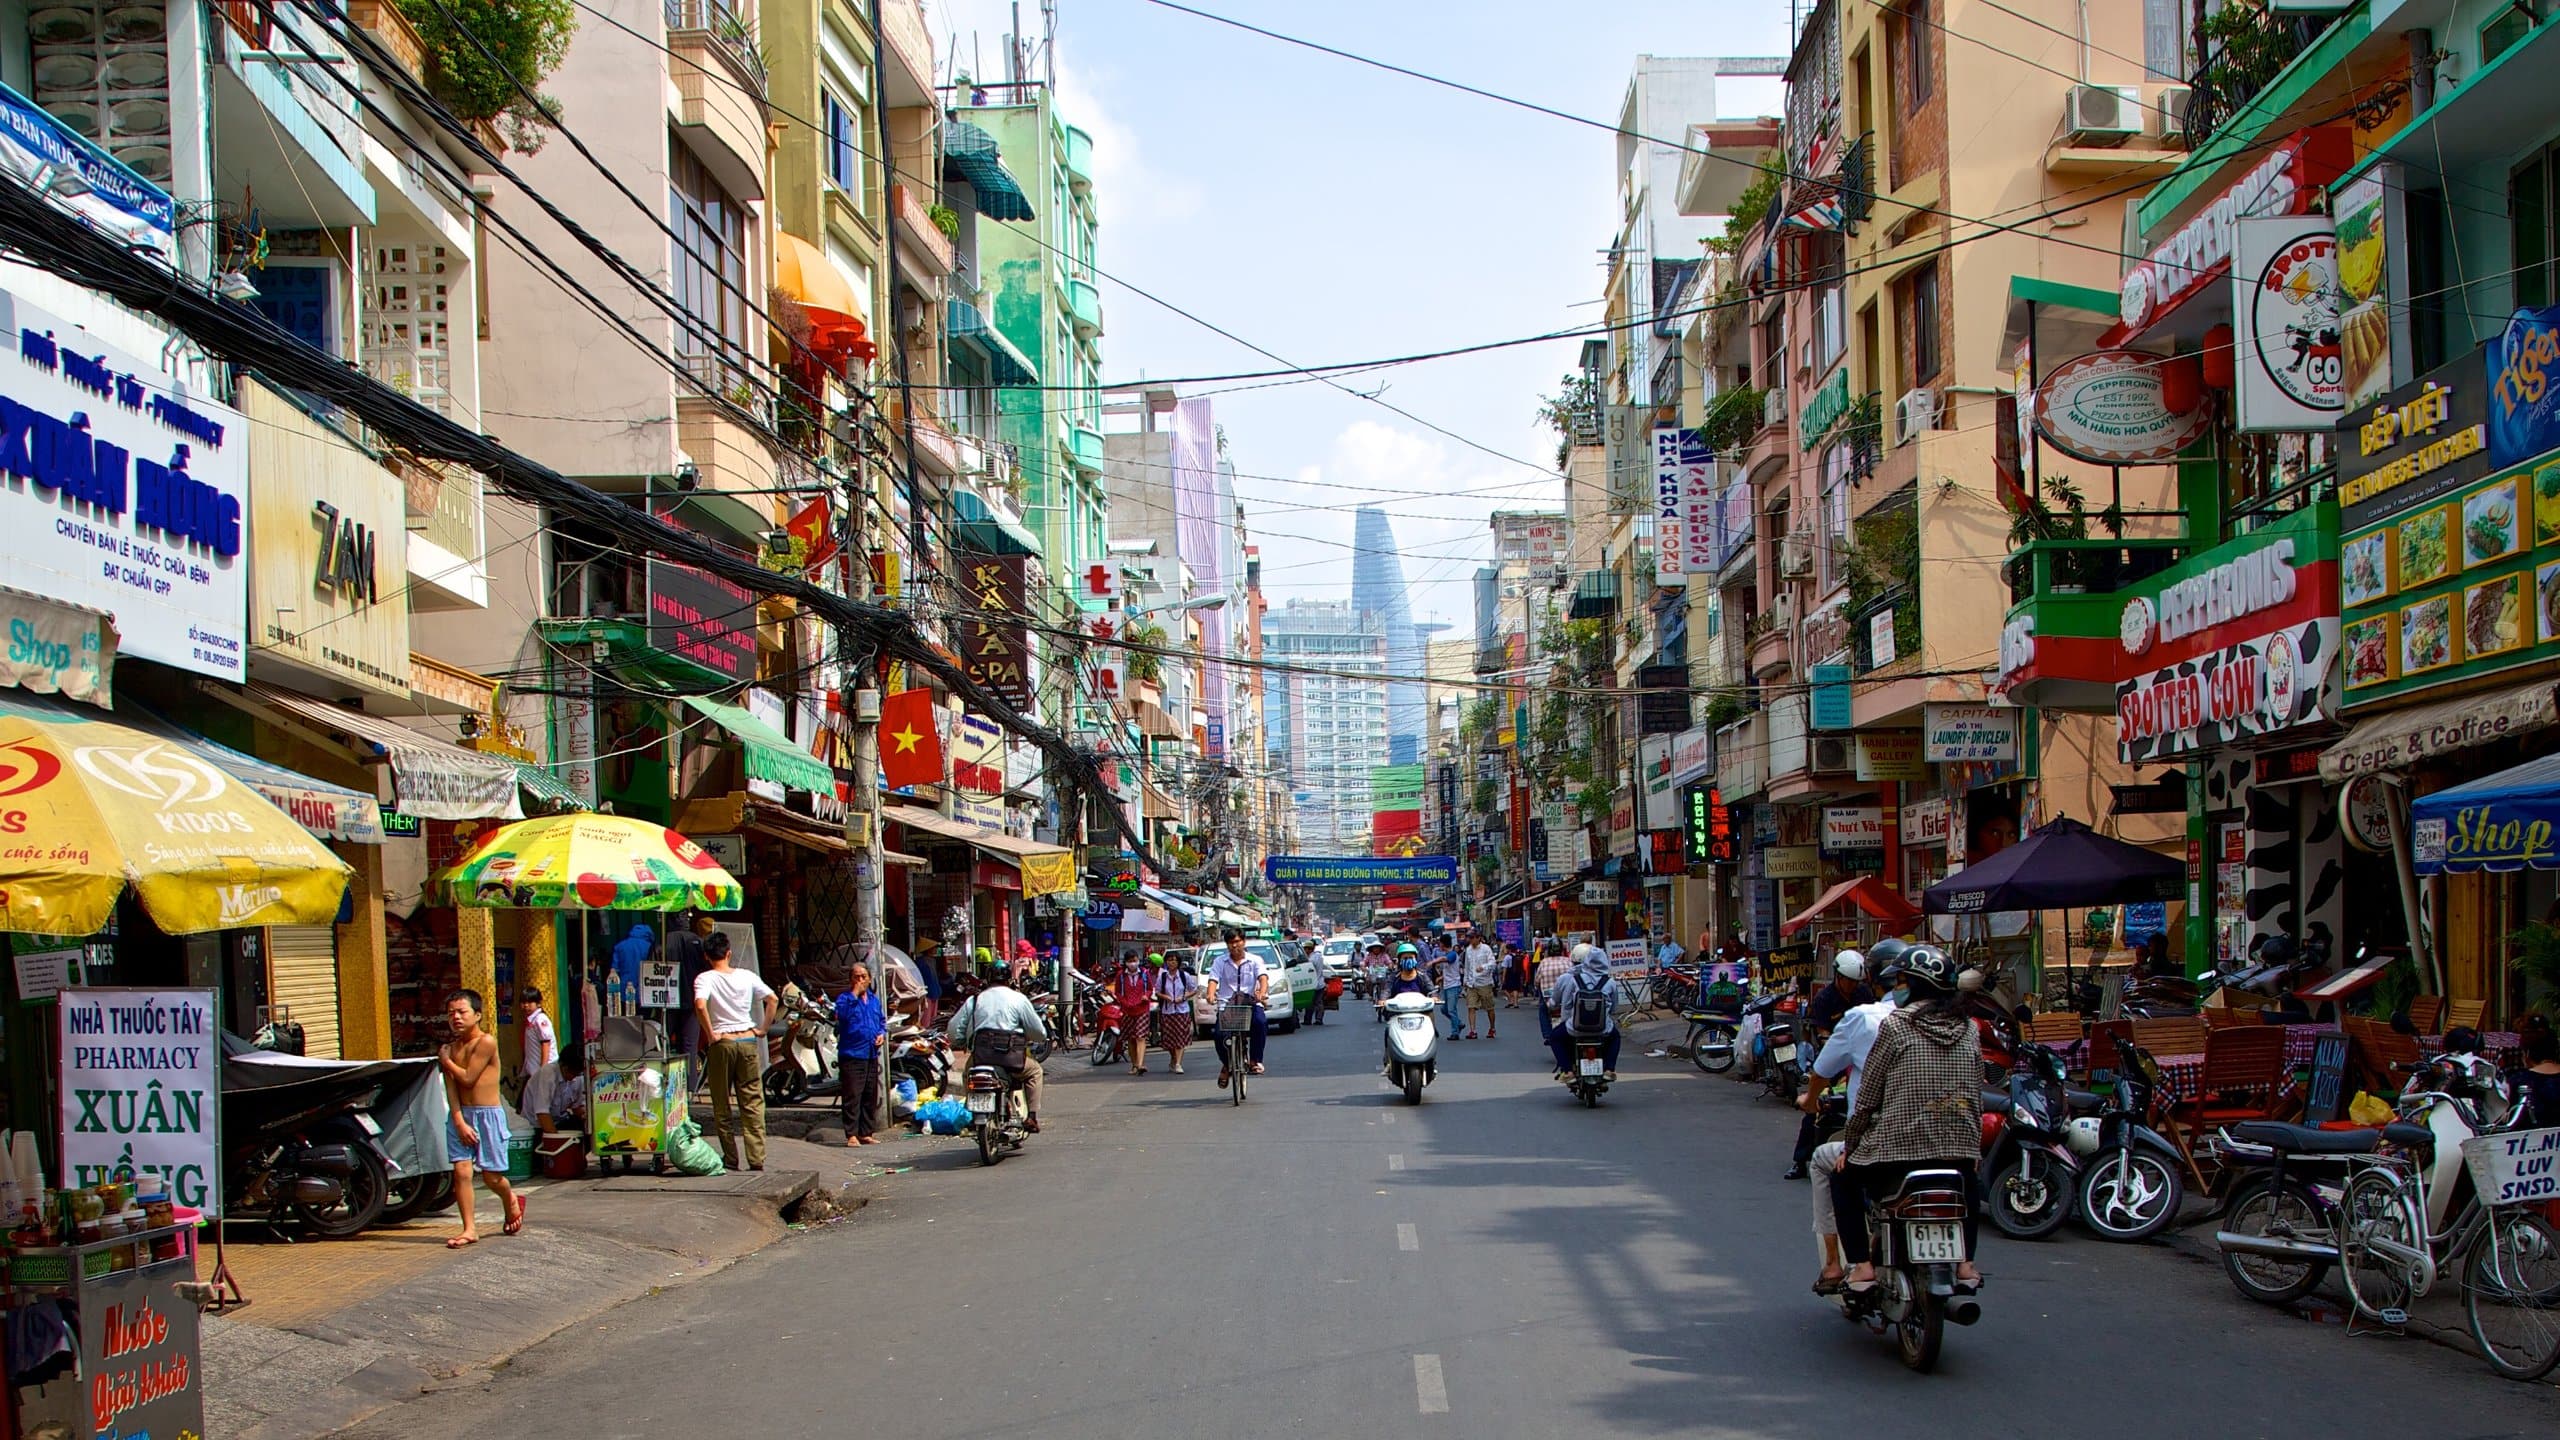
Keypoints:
(1919, 1108)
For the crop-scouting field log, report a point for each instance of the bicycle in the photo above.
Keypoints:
(2400, 1232)
(1235, 1026)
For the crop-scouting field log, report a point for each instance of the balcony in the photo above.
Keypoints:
(936, 448)
(2060, 648)
(719, 82)
(1084, 308)
(2075, 568)
(1079, 158)
(2266, 76)
(728, 458)
(925, 241)
(1595, 596)
(907, 69)
(383, 20)
(1084, 447)
(1772, 649)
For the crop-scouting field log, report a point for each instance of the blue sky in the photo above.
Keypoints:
(1331, 212)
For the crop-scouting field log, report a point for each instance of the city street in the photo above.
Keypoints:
(1498, 1262)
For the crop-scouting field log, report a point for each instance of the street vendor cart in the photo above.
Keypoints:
(635, 1095)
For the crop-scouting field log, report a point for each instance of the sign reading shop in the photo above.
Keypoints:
(122, 494)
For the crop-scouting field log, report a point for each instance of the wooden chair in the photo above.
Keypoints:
(2244, 1077)
(2171, 1035)
(2105, 1041)
(2058, 1028)
(2458, 1014)
(2427, 1014)
(2382, 1055)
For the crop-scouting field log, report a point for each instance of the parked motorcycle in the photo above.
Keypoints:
(1917, 1239)
(1412, 1044)
(922, 1056)
(1110, 1037)
(2279, 1231)
(1711, 1039)
(804, 1049)
(1773, 1047)
(2030, 1177)
(2132, 1180)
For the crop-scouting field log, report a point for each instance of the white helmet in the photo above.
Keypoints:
(1849, 965)
(1585, 953)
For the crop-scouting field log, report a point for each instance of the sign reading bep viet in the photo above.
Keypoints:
(141, 1079)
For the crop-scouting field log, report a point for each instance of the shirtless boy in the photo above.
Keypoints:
(478, 1136)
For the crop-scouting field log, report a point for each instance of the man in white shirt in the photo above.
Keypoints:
(1237, 978)
(1001, 1007)
(1483, 967)
(1844, 1054)
(540, 1066)
(735, 1008)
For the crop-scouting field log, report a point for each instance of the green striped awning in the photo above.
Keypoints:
(547, 787)
(770, 753)
(1006, 365)
(971, 154)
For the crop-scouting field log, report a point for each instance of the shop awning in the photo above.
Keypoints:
(2505, 822)
(971, 154)
(985, 529)
(433, 779)
(1866, 894)
(994, 842)
(738, 810)
(547, 787)
(2398, 739)
(1186, 906)
(1006, 365)
(770, 753)
(803, 272)
(57, 648)
(1536, 896)
(330, 812)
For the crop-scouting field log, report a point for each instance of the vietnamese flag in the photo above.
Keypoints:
(910, 748)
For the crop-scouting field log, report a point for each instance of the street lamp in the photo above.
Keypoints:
(1205, 602)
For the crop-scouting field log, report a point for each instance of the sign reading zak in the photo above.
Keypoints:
(140, 1080)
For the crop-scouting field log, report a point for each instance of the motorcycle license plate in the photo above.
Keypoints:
(982, 1104)
(1938, 1243)
(1782, 1054)
(1591, 1069)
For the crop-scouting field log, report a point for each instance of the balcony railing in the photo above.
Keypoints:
(2246, 49)
(732, 31)
(1902, 637)
(2086, 567)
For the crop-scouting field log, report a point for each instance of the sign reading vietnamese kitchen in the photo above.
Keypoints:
(2425, 439)
(2289, 374)
(2109, 408)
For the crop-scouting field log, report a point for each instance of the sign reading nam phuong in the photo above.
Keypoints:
(140, 1075)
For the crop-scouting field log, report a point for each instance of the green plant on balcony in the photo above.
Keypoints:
(945, 219)
(2245, 48)
(2039, 519)
(1481, 798)
(1483, 718)
(1881, 563)
(1146, 666)
(1573, 412)
(1724, 708)
(1749, 209)
(479, 50)
(1732, 418)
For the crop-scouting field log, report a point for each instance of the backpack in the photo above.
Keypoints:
(1588, 1012)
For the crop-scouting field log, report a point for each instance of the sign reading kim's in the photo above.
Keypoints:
(121, 493)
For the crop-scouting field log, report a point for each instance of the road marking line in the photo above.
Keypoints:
(1407, 1238)
(1395, 1162)
(1429, 1389)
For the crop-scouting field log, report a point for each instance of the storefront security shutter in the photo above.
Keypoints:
(303, 975)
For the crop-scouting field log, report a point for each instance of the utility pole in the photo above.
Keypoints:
(862, 823)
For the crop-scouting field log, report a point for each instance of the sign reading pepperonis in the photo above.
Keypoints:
(2240, 640)
(2449, 567)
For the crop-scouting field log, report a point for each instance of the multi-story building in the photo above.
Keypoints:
(1378, 589)
(1324, 725)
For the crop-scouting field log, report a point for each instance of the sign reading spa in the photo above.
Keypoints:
(2239, 641)
(122, 493)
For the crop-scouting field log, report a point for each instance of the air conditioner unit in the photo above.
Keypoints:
(1781, 610)
(1773, 406)
(1795, 554)
(2171, 113)
(1916, 411)
(2102, 114)
(1834, 755)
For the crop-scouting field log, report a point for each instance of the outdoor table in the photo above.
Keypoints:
(2301, 1040)
(2181, 1077)
(2505, 1047)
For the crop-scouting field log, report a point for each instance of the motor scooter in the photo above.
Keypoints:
(1413, 1043)
(1917, 1240)
(997, 1106)
(2132, 1180)
(1110, 1037)
(2030, 1177)
(804, 1050)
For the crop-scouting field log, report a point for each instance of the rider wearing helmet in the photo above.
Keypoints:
(1589, 976)
(1841, 1060)
(1919, 1107)
(1407, 978)
(1848, 989)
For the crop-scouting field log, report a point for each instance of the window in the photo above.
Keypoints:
(2504, 31)
(1924, 324)
(2164, 40)
(1916, 29)
(841, 144)
(2529, 228)
(710, 271)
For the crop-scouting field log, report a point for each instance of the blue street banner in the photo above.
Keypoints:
(1360, 870)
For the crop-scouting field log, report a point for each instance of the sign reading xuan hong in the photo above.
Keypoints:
(140, 1079)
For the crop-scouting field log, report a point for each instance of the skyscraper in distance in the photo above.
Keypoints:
(1378, 591)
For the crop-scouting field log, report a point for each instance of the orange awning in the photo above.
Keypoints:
(1867, 893)
(803, 272)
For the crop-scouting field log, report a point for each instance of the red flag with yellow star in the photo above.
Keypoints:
(910, 748)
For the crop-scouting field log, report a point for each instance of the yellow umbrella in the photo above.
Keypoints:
(588, 861)
(88, 806)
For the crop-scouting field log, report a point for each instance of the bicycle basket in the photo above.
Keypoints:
(1235, 1019)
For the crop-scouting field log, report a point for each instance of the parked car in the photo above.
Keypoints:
(1339, 955)
(1301, 977)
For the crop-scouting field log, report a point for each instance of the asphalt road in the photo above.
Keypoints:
(1326, 1261)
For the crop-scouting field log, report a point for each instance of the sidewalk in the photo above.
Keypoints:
(336, 1330)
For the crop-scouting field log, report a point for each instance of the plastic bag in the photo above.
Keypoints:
(944, 1117)
(2368, 1109)
(691, 1154)
(902, 1096)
